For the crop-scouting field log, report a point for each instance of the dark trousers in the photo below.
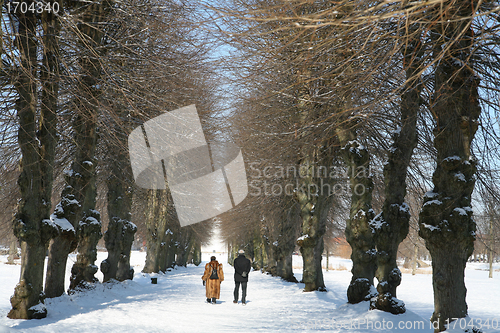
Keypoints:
(243, 290)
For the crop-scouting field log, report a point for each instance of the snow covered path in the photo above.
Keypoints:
(177, 304)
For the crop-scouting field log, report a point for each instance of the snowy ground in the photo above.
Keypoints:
(176, 304)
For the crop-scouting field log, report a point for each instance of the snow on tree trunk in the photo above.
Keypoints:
(59, 249)
(27, 301)
(446, 222)
(66, 216)
(185, 246)
(49, 79)
(120, 234)
(87, 104)
(89, 233)
(56, 265)
(392, 224)
(359, 233)
(31, 225)
(169, 251)
(118, 238)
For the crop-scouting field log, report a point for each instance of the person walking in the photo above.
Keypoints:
(241, 269)
(212, 278)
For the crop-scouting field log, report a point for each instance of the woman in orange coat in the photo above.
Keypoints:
(212, 285)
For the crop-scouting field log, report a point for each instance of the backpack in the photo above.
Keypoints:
(214, 274)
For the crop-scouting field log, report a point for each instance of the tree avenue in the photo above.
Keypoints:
(383, 100)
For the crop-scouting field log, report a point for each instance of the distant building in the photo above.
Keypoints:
(339, 247)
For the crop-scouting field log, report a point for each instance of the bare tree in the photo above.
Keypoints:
(36, 138)
(392, 224)
(446, 221)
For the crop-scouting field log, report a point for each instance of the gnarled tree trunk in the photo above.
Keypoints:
(446, 221)
(392, 224)
(91, 31)
(314, 205)
(31, 225)
(312, 199)
(56, 265)
(120, 234)
(359, 233)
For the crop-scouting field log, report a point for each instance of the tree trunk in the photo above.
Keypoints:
(392, 224)
(67, 211)
(446, 222)
(156, 223)
(359, 233)
(49, 105)
(59, 249)
(414, 263)
(65, 241)
(490, 250)
(290, 228)
(12, 251)
(89, 224)
(170, 250)
(31, 225)
(186, 243)
(152, 243)
(231, 255)
(89, 233)
(327, 258)
(120, 234)
(197, 254)
(87, 103)
(268, 250)
(490, 261)
(311, 250)
(313, 207)
(260, 256)
(118, 238)
(172, 234)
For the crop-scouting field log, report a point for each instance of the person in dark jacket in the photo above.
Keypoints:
(241, 269)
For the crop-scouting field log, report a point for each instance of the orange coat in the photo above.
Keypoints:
(213, 285)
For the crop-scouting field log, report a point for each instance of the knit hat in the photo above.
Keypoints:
(241, 251)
